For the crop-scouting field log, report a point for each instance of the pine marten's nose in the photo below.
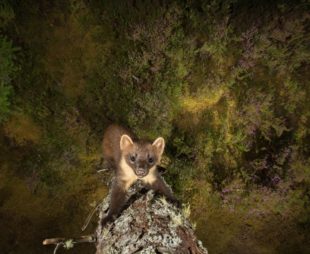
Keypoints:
(141, 172)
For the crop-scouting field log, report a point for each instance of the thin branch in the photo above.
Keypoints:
(91, 214)
(69, 243)
(57, 247)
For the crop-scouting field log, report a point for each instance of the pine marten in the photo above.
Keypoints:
(132, 159)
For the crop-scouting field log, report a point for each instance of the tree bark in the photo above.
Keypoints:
(148, 224)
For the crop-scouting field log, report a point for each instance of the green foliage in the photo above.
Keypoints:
(5, 92)
(225, 82)
(6, 14)
(7, 72)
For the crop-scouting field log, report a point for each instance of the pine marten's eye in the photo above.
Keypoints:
(151, 160)
(132, 158)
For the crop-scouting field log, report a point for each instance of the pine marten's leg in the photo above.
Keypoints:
(160, 186)
(117, 201)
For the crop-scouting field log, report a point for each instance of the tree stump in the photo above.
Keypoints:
(148, 224)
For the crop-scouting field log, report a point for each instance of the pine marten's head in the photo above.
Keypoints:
(141, 156)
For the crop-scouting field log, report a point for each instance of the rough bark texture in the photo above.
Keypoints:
(149, 224)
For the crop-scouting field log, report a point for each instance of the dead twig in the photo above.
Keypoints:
(69, 243)
(57, 247)
(90, 215)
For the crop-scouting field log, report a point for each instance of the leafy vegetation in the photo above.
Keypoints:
(225, 82)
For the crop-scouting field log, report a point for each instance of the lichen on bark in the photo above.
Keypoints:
(148, 224)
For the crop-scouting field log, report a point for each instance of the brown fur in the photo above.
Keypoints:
(111, 143)
(132, 159)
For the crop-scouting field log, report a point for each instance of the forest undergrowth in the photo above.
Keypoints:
(226, 83)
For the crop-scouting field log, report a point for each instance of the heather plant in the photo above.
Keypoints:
(225, 82)
(8, 70)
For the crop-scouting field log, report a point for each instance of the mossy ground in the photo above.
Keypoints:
(225, 82)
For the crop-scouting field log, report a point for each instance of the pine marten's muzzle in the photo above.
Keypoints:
(141, 170)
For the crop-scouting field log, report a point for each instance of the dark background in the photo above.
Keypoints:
(226, 83)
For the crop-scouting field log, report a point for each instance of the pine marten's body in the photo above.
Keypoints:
(132, 159)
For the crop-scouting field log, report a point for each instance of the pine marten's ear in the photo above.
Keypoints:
(159, 143)
(125, 142)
